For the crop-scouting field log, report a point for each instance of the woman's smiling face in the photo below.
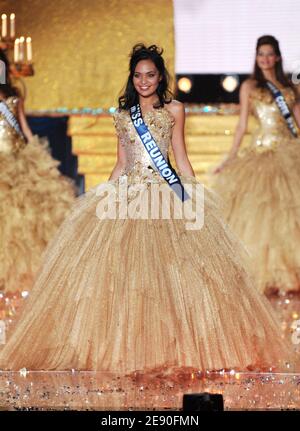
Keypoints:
(146, 78)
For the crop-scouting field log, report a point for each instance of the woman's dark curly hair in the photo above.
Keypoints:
(7, 89)
(257, 74)
(140, 52)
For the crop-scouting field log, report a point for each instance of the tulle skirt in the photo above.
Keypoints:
(34, 200)
(127, 295)
(262, 205)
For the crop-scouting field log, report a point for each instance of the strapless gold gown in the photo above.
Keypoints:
(261, 190)
(126, 295)
(34, 199)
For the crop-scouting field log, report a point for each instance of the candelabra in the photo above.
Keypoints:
(19, 49)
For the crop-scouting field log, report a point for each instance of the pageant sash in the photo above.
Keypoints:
(10, 118)
(283, 107)
(161, 164)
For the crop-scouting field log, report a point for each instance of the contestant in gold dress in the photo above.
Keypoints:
(34, 197)
(261, 184)
(126, 294)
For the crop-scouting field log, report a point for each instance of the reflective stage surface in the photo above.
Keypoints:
(86, 390)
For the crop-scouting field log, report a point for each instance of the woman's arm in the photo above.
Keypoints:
(178, 143)
(121, 162)
(241, 127)
(22, 120)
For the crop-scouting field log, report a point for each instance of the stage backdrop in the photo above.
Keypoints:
(224, 33)
(81, 48)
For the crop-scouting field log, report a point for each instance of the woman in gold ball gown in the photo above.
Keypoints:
(135, 294)
(260, 185)
(34, 197)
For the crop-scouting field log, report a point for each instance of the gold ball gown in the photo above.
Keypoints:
(134, 294)
(34, 200)
(261, 192)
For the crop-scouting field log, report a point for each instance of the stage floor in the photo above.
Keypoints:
(87, 390)
(99, 391)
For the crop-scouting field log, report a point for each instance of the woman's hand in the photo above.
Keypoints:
(223, 165)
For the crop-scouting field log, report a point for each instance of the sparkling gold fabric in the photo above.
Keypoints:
(34, 199)
(272, 127)
(133, 294)
(261, 192)
(10, 140)
(163, 121)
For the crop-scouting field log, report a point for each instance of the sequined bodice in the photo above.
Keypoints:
(272, 128)
(10, 141)
(159, 121)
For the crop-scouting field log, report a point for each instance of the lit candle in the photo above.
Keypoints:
(21, 49)
(16, 50)
(12, 25)
(4, 25)
(29, 49)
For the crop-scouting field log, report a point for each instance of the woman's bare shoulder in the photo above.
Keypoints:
(175, 107)
(248, 85)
